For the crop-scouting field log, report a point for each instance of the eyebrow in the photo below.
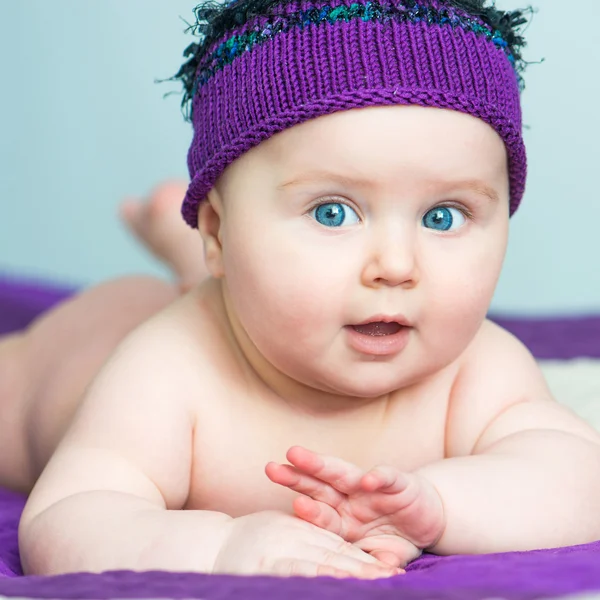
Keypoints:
(474, 185)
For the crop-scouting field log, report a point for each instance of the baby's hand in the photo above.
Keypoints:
(276, 543)
(390, 514)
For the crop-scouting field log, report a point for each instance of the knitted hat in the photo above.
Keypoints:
(306, 59)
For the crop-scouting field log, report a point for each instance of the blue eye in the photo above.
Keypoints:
(333, 214)
(443, 218)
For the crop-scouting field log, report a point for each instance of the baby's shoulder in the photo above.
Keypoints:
(184, 347)
(496, 350)
(496, 372)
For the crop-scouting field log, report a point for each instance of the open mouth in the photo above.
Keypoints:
(379, 338)
(378, 328)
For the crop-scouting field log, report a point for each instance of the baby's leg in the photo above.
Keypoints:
(158, 224)
(45, 369)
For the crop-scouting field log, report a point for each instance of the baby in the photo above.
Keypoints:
(331, 399)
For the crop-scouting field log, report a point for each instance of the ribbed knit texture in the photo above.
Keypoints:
(322, 68)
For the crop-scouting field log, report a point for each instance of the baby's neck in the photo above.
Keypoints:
(312, 401)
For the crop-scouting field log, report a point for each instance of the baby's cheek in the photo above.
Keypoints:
(453, 314)
(472, 277)
(273, 298)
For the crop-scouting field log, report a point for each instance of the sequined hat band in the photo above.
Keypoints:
(306, 60)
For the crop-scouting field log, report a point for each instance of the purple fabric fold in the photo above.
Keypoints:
(512, 576)
(559, 338)
(21, 300)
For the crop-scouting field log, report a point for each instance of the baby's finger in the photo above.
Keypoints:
(350, 558)
(341, 475)
(306, 568)
(384, 479)
(318, 513)
(302, 483)
(389, 558)
(390, 549)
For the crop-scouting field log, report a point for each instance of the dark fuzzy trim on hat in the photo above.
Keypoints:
(214, 20)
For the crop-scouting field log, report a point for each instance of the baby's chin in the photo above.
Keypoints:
(370, 387)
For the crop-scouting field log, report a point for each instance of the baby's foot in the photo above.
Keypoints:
(158, 224)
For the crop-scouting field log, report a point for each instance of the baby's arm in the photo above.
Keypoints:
(110, 495)
(524, 471)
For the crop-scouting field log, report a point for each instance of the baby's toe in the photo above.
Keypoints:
(166, 198)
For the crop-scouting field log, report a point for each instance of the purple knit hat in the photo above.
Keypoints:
(308, 59)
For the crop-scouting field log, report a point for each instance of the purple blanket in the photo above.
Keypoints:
(516, 575)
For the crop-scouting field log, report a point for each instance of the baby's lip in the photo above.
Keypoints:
(398, 318)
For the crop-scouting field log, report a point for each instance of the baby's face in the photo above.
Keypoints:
(358, 216)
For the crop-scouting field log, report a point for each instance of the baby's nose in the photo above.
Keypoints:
(391, 261)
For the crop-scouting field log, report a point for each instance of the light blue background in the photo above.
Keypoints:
(83, 124)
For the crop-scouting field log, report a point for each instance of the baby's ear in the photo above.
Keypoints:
(209, 225)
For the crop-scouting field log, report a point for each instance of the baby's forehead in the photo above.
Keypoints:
(381, 141)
